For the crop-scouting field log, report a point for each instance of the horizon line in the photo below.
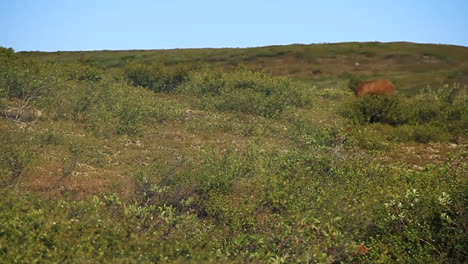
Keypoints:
(241, 47)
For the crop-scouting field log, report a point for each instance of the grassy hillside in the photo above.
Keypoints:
(412, 66)
(197, 156)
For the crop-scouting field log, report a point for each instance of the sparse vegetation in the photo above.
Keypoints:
(118, 159)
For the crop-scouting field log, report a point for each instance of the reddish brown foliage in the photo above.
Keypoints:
(363, 249)
(374, 87)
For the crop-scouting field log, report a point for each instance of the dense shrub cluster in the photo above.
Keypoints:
(15, 155)
(21, 78)
(422, 133)
(101, 230)
(239, 91)
(82, 72)
(244, 91)
(432, 114)
(22, 82)
(13, 161)
(108, 107)
(157, 77)
(377, 109)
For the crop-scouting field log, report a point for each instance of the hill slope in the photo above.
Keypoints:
(148, 157)
(410, 65)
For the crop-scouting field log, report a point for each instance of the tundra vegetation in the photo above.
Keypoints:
(237, 156)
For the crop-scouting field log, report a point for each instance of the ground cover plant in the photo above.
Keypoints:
(149, 157)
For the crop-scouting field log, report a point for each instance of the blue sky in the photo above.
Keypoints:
(50, 25)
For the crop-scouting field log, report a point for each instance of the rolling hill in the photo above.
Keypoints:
(256, 155)
(410, 65)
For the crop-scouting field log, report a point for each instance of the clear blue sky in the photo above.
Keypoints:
(50, 25)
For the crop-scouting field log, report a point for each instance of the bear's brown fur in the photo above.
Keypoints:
(374, 87)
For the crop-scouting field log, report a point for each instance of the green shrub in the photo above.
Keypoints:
(206, 82)
(439, 109)
(157, 77)
(437, 105)
(108, 107)
(433, 115)
(427, 133)
(69, 100)
(50, 137)
(6, 52)
(181, 185)
(248, 101)
(118, 109)
(99, 229)
(424, 223)
(306, 134)
(244, 91)
(457, 120)
(421, 133)
(368, 53)
(13, 161)
(22, 79)
(371, 136)
(22, 83)
(82, 72)
(140, 75)
(376, 109)
(426, 111)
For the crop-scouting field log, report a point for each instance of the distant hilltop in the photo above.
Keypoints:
(409, 64)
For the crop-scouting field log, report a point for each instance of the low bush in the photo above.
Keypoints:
(82, 72)
(108, 107)
(248, 101)
(306, 134)
(427, 223)
(425, 111)
(371, 136)
(376, 109)
(22, 83)
(183, 185)
(206, 82)
(22, 78)
(422, 134)
(13, 161)
(432, 115)
(6, 52)
(121, 109)
(97, 230)
(157, 77)
(50, 137)
(244, 91)
(438, 105)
